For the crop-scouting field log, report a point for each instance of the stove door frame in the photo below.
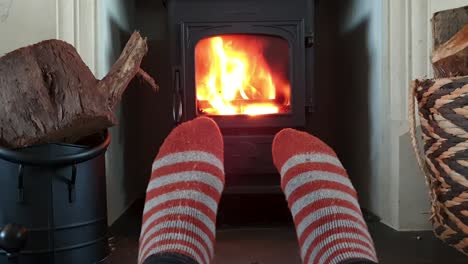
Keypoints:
(184, 73)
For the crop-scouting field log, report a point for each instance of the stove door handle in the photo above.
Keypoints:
(177, 107)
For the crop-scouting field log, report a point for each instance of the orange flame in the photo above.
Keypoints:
(233, 77)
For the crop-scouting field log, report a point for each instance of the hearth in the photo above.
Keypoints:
(248, 65)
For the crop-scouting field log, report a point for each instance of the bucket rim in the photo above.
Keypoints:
(23, 158)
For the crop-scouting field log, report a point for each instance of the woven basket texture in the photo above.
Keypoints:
(443, 114)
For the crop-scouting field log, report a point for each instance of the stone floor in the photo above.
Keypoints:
(277, 245)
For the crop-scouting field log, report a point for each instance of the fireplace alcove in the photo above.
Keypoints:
(353, 107)
(335, 99)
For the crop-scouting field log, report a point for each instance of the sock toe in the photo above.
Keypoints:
(200, 134)
(289, 142)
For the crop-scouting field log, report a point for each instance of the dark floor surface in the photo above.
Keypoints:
(277, 245)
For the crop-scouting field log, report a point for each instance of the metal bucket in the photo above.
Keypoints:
(55, 197)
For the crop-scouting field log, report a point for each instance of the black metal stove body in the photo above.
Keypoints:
(248, 139)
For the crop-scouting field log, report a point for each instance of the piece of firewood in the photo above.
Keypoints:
(451, 58)
(445, 24)
(47, 93)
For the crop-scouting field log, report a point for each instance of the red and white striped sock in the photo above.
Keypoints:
(323, 202)
(183, 193)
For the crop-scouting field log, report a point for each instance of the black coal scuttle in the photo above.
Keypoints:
(53, 203)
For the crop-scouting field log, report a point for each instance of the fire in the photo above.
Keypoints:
(233, 77)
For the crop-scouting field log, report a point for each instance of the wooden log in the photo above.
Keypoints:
(239, 102)
(47, 93)
(445, 24)
(451, 58)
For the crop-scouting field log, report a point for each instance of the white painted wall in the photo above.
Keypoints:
(410, 201)
(439, 5)
(26, 22)
(114, 24)
(407, 53)
(379, 197)
(387, 81)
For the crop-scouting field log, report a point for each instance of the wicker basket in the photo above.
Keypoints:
(443, 112)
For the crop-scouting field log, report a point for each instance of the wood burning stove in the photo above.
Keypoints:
(248, 65)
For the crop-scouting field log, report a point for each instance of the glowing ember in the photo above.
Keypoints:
(233, 76)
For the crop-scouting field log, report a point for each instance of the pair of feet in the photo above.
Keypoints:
(188, 179)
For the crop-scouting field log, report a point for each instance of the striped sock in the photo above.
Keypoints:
(183, 193)
(323, 202)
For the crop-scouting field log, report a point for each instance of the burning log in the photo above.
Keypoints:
(244, 107)
(48, 94)
(451, 58)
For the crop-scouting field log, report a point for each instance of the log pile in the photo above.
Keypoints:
(442, 106)
(450, 59)
(450, 43)
(48, 94)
